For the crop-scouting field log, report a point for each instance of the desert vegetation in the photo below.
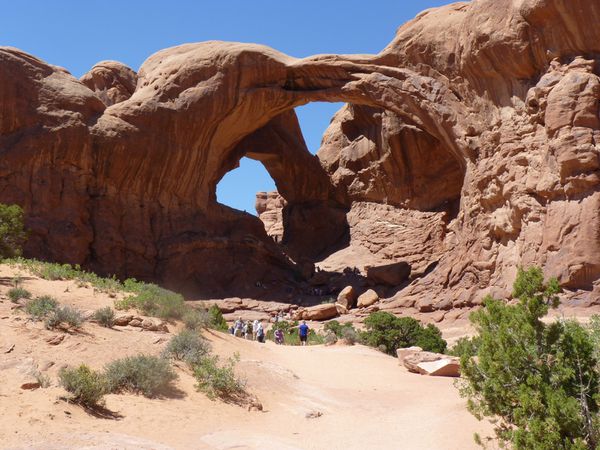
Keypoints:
(64, 316)
(144, 374)
(40, 307)
(539, 382)
(86, 386)
(215, 378)
(105, 316)
(388, 333)
(17, 293)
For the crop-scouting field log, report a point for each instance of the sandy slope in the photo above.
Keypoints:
(366, 399)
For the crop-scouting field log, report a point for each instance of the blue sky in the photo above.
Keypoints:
(77, 34)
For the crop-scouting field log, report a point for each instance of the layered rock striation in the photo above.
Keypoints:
(476, 126)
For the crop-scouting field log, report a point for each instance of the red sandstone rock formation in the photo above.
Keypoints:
(112, 81)
(478, 124)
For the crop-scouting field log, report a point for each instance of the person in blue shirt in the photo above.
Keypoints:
(303, 332)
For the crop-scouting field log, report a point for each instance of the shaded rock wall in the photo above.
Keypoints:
(484, 112)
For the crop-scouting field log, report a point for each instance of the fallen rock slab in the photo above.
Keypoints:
(429, 363)
(446, 367)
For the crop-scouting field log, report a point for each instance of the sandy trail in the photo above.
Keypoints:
(365, 398)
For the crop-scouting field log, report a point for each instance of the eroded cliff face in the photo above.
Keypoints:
(477, 125)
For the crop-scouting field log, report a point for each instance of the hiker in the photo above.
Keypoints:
(279, 336)
(255, 328)
(248, 330)
(260, 333)
(238, 327)
(303, 332)
(231, 330)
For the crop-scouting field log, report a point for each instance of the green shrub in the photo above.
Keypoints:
(430, 339)
(153, 300)
(149, 299)
(538, 381)
(218, 381)
(148, 375)
(465, 346)
(87, 386)
(196, 319)
(334, 326)
(344, 331)
(389, 333)
(217, 321)
(12, 231)
(187, 346)
(64, 315)
(53, 271)
(105, 316)
(17, 293)
(39, 307)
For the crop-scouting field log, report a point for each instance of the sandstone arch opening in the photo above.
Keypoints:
(238, 188)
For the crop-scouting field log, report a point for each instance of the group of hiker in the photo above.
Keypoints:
(248, 330)
(255, 331)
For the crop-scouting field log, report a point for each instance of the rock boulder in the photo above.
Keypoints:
(347, 297)
(367, 298)
(390, 274)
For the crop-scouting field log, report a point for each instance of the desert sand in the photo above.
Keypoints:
(317, 397)
(362, 398)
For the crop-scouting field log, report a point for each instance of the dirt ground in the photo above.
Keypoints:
(336, 397)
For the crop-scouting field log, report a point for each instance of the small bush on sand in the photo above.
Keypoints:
(219, 381)
(196, 319)
(187, 346)
(87, 386)
(39, 307)
(344, 331)
(55, 271)
(66, 315)
(153, 300)
(105, 316)
(148, 375)
(17, 293)
(217, 321)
